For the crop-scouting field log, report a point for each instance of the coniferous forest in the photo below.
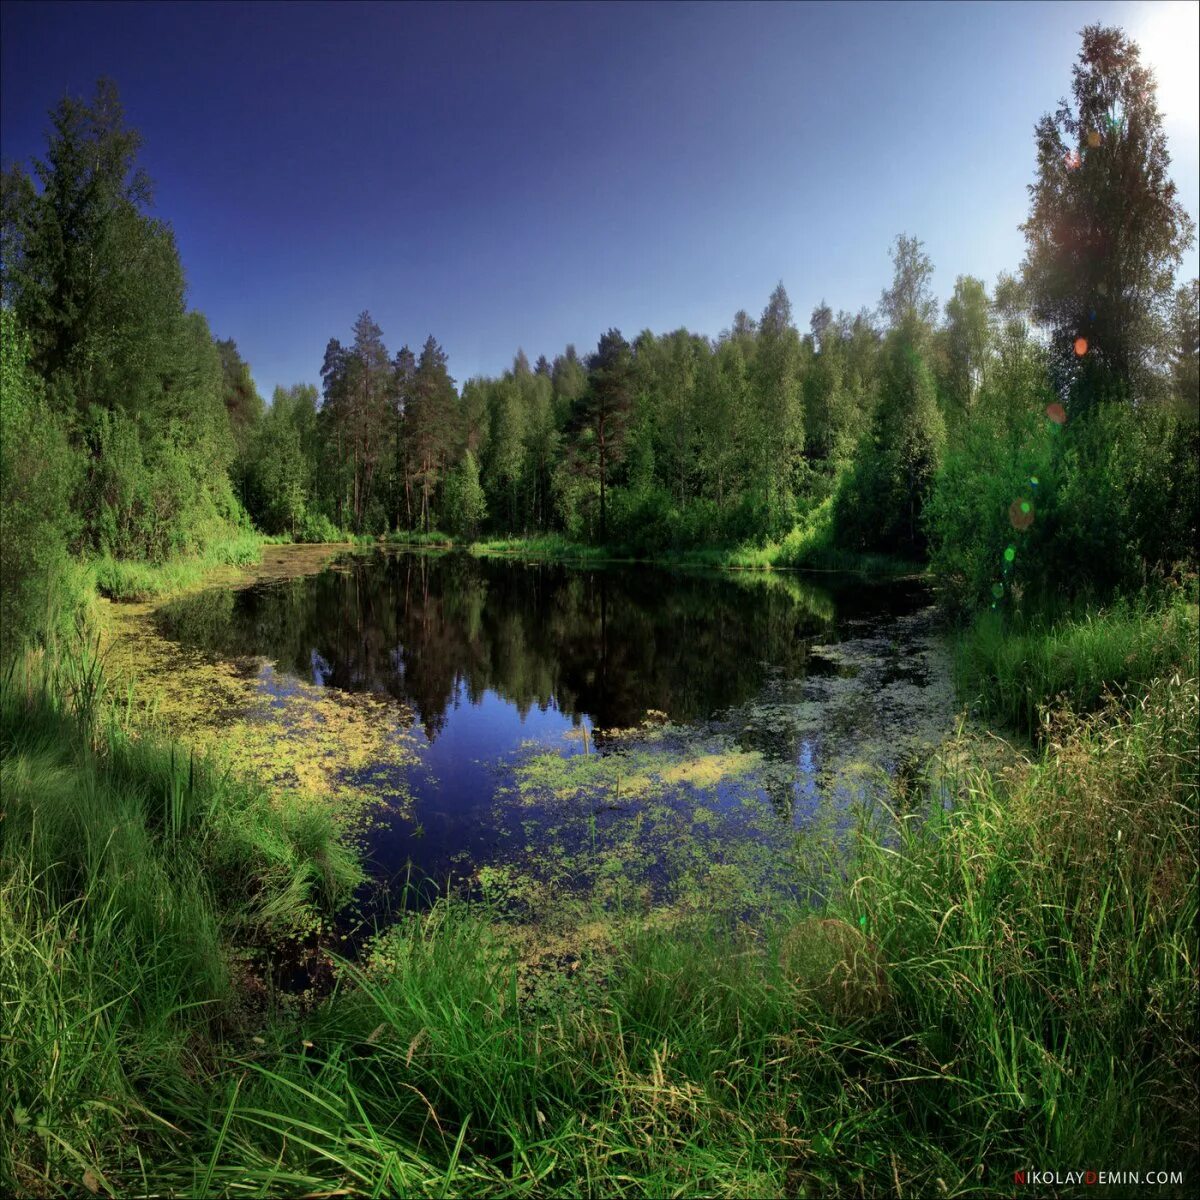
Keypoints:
(998, 974)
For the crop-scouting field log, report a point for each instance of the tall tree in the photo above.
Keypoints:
(965, 344)
(432, 424)
(370, 382)
(242, 401)
(404, 375)
(909, 304)
(1184, 356)
(601, 414)
(335, 421)
(1106, 230)
(722, 391)
(505, 460)
(779, 431)
(95, 281)
(882, 506)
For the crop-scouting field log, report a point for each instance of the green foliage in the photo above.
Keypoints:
(964, 347)
(1125, 505)
(1106, 230)
(464, 504)
(880, 506)
(134, 380)
(39, 470)
(1184, 352)
(600, 417)
(969, 514)
(278, 467)
(148, 500)
(1014, 669)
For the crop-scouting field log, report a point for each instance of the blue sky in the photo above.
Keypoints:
(529, 175)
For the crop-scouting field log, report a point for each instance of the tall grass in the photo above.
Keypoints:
(129, 874)
(418, 537)
(123, 579)
(552, 546)
(1013, 667)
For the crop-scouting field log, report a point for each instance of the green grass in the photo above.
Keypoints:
(122, 579)
(1014, 668)
(551, 546)
(1008, 982)
(130, 873)
(418, 537)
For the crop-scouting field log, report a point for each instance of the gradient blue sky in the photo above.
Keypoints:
(529, 175)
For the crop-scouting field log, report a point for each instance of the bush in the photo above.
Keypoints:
(969, 518)
(1114, 506)
(316, 527)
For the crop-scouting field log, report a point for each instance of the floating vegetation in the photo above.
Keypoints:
(347, 749)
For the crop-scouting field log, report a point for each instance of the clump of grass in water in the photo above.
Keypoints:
(123, 579)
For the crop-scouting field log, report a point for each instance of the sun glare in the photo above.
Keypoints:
(1169, 35)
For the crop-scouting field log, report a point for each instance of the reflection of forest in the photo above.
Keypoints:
(608, 643)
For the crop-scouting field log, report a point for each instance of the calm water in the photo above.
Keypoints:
(751, 706)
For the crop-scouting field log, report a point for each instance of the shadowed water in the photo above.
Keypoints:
(616, 726)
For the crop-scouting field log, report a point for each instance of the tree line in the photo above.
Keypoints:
(910, 429)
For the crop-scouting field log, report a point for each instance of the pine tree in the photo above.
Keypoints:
(601, 413)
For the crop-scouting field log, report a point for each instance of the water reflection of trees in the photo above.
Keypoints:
(608, 644)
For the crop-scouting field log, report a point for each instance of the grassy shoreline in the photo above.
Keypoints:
(1004, 983)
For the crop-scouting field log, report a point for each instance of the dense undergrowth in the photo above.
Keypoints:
(810, 545)
(1005, 982)
(1014, 667)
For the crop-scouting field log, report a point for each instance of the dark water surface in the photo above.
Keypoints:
(752, 705)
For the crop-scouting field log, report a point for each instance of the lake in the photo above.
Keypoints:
(623, 732)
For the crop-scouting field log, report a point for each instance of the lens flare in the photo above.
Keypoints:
(997, 590)
(1033, 481)
(1080, 347)
(1010, 552)
(1020, 514)
(1094, 138)
(1056, 413)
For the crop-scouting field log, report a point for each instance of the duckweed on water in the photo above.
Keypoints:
(347, 750)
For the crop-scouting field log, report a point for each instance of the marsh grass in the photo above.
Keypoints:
(551, 546)
(129, 870)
